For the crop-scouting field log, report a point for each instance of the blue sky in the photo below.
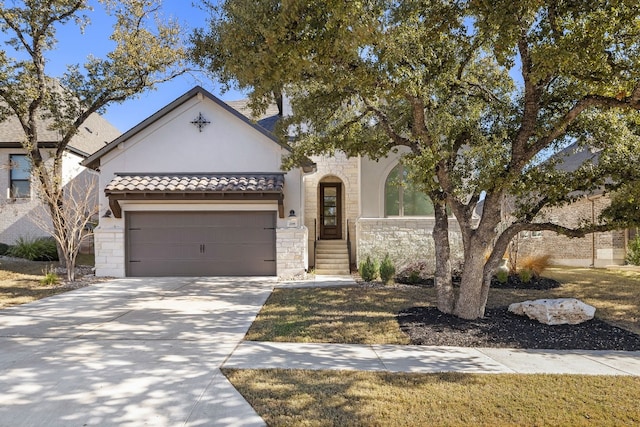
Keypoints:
(74, 47)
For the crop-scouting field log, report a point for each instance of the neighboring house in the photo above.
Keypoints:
(197, 189)
(19, 199)
(593, 250)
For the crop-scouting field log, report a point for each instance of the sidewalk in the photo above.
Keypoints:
(427, 359)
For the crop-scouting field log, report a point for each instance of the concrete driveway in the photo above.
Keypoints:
(129, 352)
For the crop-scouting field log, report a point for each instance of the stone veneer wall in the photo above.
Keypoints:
(291, 250)
(334, 168)
(600, 250)
(109, 249)
(404, 239)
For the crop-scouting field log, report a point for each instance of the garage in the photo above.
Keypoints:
(201, 243)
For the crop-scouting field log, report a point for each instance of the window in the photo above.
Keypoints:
(20, 176)
(401, 198)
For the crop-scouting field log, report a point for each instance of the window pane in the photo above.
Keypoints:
(416, 203)
(330, 191)
(392, 193)
(20, 189)
(20, 167)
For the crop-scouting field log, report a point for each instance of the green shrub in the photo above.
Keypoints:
(368, 270)
(633, 254)
(40, 249)
(414, 277)
(387, 270)
(4, 248)
(502, 276)
(50, 277)
(526, 275)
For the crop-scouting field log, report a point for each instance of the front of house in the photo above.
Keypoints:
(197, 189)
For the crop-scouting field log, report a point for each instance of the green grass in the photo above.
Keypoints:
(367, 315)
(331, 398)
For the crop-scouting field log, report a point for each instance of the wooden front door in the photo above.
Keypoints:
(331, 211)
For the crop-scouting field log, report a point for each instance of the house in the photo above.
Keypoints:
(19, 199)
(198, 189)
(593, 250)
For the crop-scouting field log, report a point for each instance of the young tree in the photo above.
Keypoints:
(76, 214)
(145, 52)
(480, 92)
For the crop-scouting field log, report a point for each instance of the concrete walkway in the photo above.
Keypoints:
(426, 359)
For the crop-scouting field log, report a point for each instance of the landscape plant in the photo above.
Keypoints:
(633, 251)
(35, 249)
(368, 269)
(387, 270)
(478, 94)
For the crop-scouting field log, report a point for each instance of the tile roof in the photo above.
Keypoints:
(210, 183)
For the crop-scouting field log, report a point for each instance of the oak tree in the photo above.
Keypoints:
(484, 94)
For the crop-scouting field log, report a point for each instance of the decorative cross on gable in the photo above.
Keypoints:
(200, 122)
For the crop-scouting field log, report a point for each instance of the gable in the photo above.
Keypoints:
(197, 132)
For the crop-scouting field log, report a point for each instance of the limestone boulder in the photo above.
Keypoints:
(558, 311)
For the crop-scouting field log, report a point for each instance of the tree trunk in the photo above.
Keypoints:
(444, 287)
(469, 304)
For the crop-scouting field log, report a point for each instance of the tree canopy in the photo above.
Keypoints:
(483, 93)
(146, 51)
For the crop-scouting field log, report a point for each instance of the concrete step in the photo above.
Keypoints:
(328, 252)
(326, 272)
(332, 261)
(331, 242)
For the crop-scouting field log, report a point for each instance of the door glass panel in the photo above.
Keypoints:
(329, 206)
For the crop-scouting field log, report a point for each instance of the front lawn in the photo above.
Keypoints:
(347, 398)
(368, 315)
(20, 280)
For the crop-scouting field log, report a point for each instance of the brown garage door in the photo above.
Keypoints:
(201, 243)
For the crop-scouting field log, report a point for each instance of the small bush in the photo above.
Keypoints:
(502, 276)
(387, 270)
(368, 270)
(633, 254)
(40, 249)
(525, 275)
(4, 248)
(414, 277)
(535, 264)
(50, 277)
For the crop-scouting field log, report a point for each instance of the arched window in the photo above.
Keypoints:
(401, 198)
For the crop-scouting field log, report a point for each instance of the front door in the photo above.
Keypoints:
(330, 211)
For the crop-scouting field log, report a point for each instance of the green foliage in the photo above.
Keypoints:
(525, 275)
(4, 248)
(368, 270)
(633, 254)
(436, 78)
(414, 277)
(50, 277)
(387, 270)
(502, 276)
(40, 249)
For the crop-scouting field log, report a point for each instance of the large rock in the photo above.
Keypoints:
(555, 311)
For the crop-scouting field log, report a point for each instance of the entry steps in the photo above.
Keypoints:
(332, 258)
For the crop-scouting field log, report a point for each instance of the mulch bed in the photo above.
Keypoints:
(502, 329)
(513, 282)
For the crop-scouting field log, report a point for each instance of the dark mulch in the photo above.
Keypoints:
(502, 329)
(513, 282)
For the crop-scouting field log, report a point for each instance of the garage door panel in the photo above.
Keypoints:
(201, 243)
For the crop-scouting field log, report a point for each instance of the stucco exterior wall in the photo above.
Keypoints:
(597, 249)
(172, 144)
